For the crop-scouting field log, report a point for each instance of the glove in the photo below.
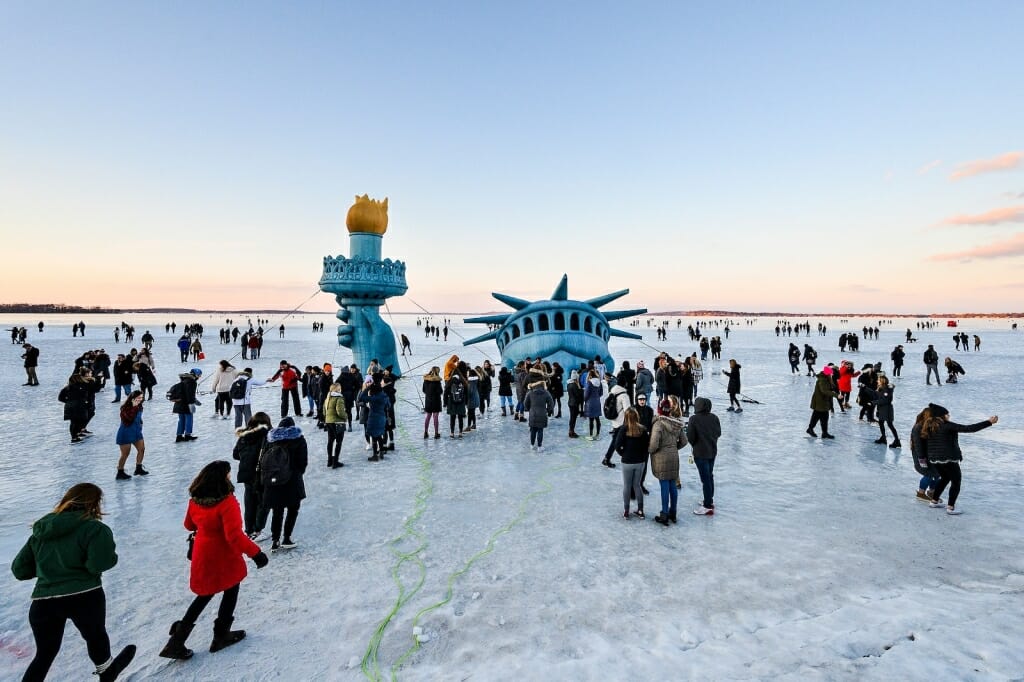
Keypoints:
(196, 402)
(260, 560)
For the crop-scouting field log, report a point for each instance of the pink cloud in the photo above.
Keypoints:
(997, 216)
(1005, 161)
(927, 167)
(1014, 246)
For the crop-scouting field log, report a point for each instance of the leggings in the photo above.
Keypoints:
(289, 521)
(426, 421)
(949, 474)
(451, 423)
(471, 419)
(226, 611)
(595, 426)
(335, 436)
(537, 436)
(574, 413)
(631, 474)
(222, 404)
(75, 426)
(47, 617)
(733, 400)
(881, 426)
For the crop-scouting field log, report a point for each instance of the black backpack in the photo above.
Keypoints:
(611, 406)
(457, 393)
(275, 465)
(237, 390)
(174, 394)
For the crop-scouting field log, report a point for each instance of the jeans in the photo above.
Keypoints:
(506, 401)
(631, 474)
(243, 413)
(47, 617)
(310, 403)
(251, 500)
(537, 435)
(184, 424)
(669, 497)
(932, 367)
(927, 483)
(127, 388)
(706, 469)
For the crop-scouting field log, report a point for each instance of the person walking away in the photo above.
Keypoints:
(538, 405)
(703, 431)
(377, 420)
(505, 379)
(31, 357)
(247, 451)
(217, 566)
(884, 412)
(944, 452)
(223, 377)
(592, 393)
(432, 394)
(282, 465)
(183, 345)
(931, 363)
(67, 554)
(129, 433)
(289, 387)
(631, 442)
(574, 398)
(335, 419)
(196, 349)
(454, 400)
(666, 440)
(733, 389)
(183, 395)
(821, 404)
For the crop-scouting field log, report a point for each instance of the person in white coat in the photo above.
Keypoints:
(240, 393)
(622, 403)
(220, 385)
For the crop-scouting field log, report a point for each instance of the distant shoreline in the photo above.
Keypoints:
(59, 308)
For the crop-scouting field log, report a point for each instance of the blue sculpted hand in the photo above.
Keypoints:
(368, 336)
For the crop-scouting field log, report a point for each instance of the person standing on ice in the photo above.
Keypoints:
(944, 453)
(129, 433)
(592, 393)
(821, 404)
(931, 363)
(644, 381)
(897, 357)
(289, 376)
(735, 387)
(631, 441)
(247, 450)
(884, 412)
(472, 395)
(505, 380)
(377, 419)
(794, 359)
(217, 565)
(810, 357)
(844, 382)
(282, 466)
(454, 399)
(223, 376)
(432, 392)
(31, 358)
(622, 403)
(703, 431)
(574, 400)
(68, 552)
(183, 395)
(919, 451)
(538, 404)
(335, 419)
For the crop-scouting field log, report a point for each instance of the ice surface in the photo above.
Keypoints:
(818, 565)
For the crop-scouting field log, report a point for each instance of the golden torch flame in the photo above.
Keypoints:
(368, 215)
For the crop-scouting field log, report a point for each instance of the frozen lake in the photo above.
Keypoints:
(819, 564)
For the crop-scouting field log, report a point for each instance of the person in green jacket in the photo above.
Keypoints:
(821, 403)
(69, 550)
(335, 418)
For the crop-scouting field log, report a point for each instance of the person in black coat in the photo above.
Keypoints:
(147, 380)
(943, 446)
(733, 389)
(185, 404)
(287, 496)
(432, 393)
(247, 451)
(794, 359)
(122, 377)
(31, 357)
(78, 397)
(627, 379)
(351, 382)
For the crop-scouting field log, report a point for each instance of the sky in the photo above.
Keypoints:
(793, 156)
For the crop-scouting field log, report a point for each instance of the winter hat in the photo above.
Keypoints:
(827, 371)
(285, 423)
(937, 410)
(196, 371)
(574, 375)
(665, 406)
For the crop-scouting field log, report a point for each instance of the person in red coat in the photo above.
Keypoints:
(217, 565)
(845, 383)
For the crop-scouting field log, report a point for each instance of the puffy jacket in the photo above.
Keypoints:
(644, 381)
(622, 404)
(883, 404)
(289, 378)
(944, 445)
(592, 398)
(734, 379)
(334, 409)
(664, 453)
(432, 391)
(703, 430)
(821, 399)
(222, 379)
(377, 414)
(294, 491)
(504, 382)
(247, 451)
(67, 553)
(575, 394)
(846, 375)
(188, 394)
(538, 403)
(217, 562)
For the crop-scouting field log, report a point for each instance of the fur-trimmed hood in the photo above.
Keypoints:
(241, 433)
(284, 433)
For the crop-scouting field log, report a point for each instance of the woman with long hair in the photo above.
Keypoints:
(944, 452)
(919, 450)
(592, 393)
(884, 411)
(68, 552)
(664, 448)
(734, 387)
(129, 433)
(631, 443)
(335, 419)
(217, 566)
(223, 376)
(432, 392)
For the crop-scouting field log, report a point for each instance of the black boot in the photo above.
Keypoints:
(175, 647)
(118, 664)
(223, 635)
(503, 413)
(672, 517)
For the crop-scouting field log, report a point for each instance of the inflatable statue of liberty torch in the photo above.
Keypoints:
(362, 283)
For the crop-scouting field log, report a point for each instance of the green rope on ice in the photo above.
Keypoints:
(544, 488)
(370, 665)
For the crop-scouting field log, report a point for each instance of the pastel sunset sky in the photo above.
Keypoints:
(797, 156)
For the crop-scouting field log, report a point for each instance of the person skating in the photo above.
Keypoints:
(944, 452)
(821, 403)
(335, 420)
(538, 404)
(67, 554)
(666, 440)
(703, 431)
(183, 395)
(432, 400)
(31, 357)
(129, 433)
(282, 466)
(631, 441)
(247, 451)
(884, 412)
(734, 387)
(217, 565)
